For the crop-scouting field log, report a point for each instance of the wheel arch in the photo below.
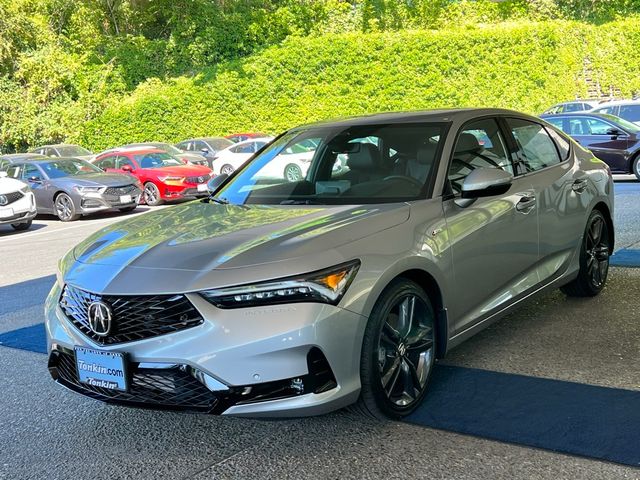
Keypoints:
(606, 212)
(431, 287)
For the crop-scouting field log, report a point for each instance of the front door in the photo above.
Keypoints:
(592, 133)
(494, 240)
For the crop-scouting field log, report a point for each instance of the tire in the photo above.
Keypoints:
(635, 167)
(151, 194)
(22, 226)
(128, 209)
(397, 356)
(226, 169)
(64, 208)
(594, 259)
(292, 173)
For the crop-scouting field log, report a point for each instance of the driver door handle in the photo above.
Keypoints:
(579, 185)
(526, 203)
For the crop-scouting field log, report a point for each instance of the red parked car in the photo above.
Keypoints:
(241, 137)
(163, 176)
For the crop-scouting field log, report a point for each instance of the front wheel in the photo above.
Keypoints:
(398, 352)
(594, 259)
(65, 209)
(151, 194)
(22, 226)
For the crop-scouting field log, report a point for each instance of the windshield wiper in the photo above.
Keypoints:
(221, 201)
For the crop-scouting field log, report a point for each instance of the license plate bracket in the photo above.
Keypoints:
(126, 199)
(103, 369)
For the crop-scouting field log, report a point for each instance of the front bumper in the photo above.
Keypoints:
(173, 192)
(95, 202)
(285, 360)
(19, 211)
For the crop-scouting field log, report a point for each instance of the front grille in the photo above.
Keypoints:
(166, 387)
(132, 317)
(115, 192)
(13, 197)
(199, 179)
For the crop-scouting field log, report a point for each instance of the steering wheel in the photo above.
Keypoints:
(404, 178)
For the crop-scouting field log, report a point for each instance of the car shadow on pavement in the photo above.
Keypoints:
(8, 230)
(30, 293)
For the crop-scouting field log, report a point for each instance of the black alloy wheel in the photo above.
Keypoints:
(594, 259)
(22, 226)
(398, 352)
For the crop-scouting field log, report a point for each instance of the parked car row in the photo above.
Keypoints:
(70, 181)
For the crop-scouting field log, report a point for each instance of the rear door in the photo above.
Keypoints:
(494, 240)
(560, 189)
(40, 186)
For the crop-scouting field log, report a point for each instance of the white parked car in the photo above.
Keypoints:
(17, 203)
(229, 159)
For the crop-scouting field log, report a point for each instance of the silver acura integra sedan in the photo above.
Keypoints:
(280, 298)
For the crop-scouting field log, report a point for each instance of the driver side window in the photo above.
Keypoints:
(480, 144)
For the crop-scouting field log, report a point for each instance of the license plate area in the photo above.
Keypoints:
(202, 187)
(6, 212)
(126, 199)
(97, 368)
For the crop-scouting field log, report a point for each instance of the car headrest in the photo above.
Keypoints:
(366, 158)
(467, 142)
(426, 153)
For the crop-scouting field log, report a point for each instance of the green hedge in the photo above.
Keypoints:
(525, 67)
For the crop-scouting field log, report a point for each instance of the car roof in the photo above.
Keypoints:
(50, 159)
(251, 140)
(132, 149)
(437, 116)
(619, 102)
(22, 156)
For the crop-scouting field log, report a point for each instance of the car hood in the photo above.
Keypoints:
(10, 185)
(202, 237)
(97, 180)
(191, 157)
(182, 170)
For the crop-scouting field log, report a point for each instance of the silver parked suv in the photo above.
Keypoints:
(279, 298)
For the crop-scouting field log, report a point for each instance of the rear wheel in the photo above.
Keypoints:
(398, 352)
(293, 173)
(636, 167)
(22, 226)
(226, 170)
(65, 209)
(594, 259)
(151, 194)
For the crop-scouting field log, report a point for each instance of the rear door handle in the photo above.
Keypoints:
(579, 185)
(526, 203)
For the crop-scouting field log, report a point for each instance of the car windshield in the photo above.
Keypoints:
(72, 151)
(628, 126)
(156, 160)
(341, 166)
(167, 148)
(219, 143)
(70, 167)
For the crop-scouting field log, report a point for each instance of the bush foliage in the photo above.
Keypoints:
(104, 72)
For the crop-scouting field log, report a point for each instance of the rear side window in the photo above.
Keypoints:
(564, 146)
(536, 150)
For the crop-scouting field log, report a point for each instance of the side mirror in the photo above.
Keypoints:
(127, 168)
(486, 182)
(615, 132)
(35, 179)
(205, 151)
(215, 182)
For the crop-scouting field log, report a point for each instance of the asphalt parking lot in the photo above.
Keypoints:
(48, 432)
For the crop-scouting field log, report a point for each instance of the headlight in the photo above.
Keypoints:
(325, 286)
(26, 189)
(169, 178)
(84, 190)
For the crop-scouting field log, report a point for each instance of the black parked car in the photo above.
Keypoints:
(612, 139)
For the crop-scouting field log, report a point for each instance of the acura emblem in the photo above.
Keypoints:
(3, 200)
(99, 315)
(200, 179)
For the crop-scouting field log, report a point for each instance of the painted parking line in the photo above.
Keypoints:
(626, 258)
(560, 416)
